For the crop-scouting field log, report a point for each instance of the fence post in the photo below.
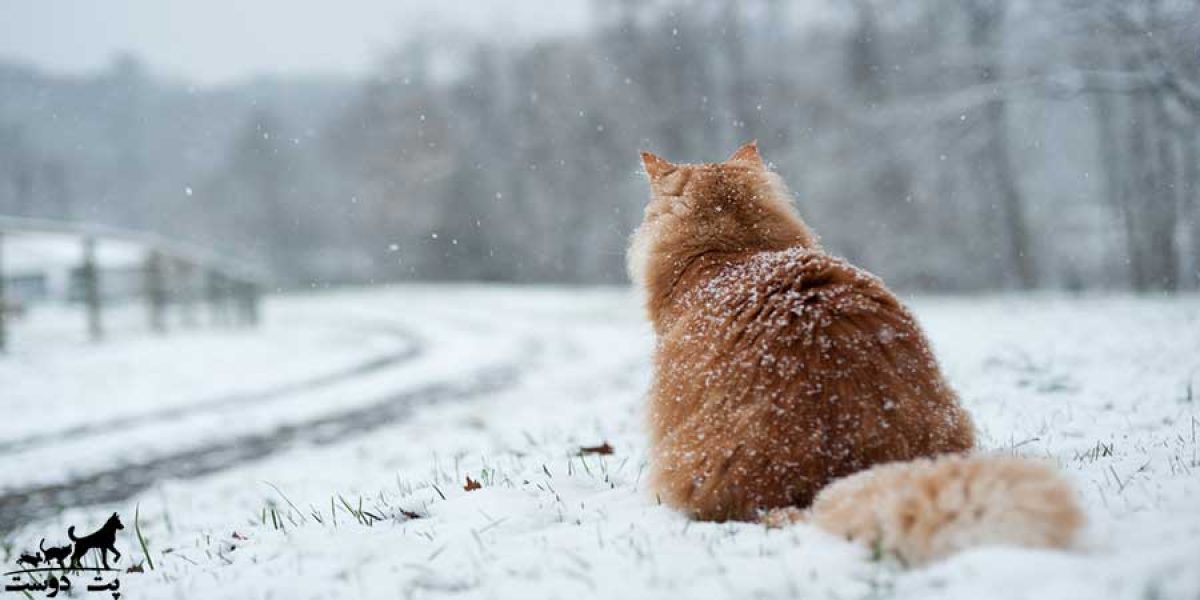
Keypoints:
(156, 290)
(215, 291)
(246, 296)
(253, 298)
(89, 276)
(188, 290)
(3, 302)
(241, 314)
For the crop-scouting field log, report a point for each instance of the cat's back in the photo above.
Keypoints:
(784, 326)
(792, 297)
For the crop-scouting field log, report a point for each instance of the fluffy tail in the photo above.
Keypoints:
(71, 533)
(927, 509)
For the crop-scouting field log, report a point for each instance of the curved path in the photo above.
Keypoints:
(412, 348)
(30, 501)
(21, 506)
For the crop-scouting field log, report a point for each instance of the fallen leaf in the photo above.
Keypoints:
(604, 448)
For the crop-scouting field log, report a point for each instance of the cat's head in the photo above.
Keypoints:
(734, 206)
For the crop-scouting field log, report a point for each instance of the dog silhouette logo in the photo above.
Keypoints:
(38, 572)
(103, 539)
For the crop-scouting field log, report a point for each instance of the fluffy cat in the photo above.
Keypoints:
(778, 368)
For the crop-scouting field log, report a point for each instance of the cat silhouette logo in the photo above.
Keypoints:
(49, 569)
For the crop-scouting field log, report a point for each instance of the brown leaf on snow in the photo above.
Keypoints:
(472, 484)
(604, 448)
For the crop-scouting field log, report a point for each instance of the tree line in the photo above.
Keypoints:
(949, 145)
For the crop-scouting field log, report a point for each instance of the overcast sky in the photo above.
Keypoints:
(219, 41)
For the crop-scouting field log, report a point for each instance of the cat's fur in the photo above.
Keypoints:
(929, 508)
(778, 368)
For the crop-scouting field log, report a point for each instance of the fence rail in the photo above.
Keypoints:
(172, 272)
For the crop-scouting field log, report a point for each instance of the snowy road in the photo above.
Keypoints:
(290, 463)
(115, 455)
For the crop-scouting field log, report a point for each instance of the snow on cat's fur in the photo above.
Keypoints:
(780, 369)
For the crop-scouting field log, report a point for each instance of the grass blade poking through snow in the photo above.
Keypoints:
(288, 500)
(137, 529)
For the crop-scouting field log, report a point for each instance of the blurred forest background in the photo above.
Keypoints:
(949, 145)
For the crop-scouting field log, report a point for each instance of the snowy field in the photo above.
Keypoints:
(325, 455)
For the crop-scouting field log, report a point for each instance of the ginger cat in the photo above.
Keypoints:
(778, 368)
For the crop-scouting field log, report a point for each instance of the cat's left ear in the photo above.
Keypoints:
(748, 153)
(656, 166)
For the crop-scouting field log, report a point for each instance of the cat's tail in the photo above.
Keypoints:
(42, 545)
(71, 533)
(927, 509)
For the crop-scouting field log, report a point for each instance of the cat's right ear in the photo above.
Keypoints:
(656, 167)
(748, 153)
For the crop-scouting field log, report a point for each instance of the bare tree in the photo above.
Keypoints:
(986, 26)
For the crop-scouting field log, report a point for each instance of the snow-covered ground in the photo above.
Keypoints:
(367, 411)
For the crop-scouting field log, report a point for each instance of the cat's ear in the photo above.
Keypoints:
(656, 167)
(748, 153)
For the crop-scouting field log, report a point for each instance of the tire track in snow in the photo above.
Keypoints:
(413, 349)
(22, 506)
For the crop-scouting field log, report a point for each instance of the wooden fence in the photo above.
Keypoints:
(172, 273)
